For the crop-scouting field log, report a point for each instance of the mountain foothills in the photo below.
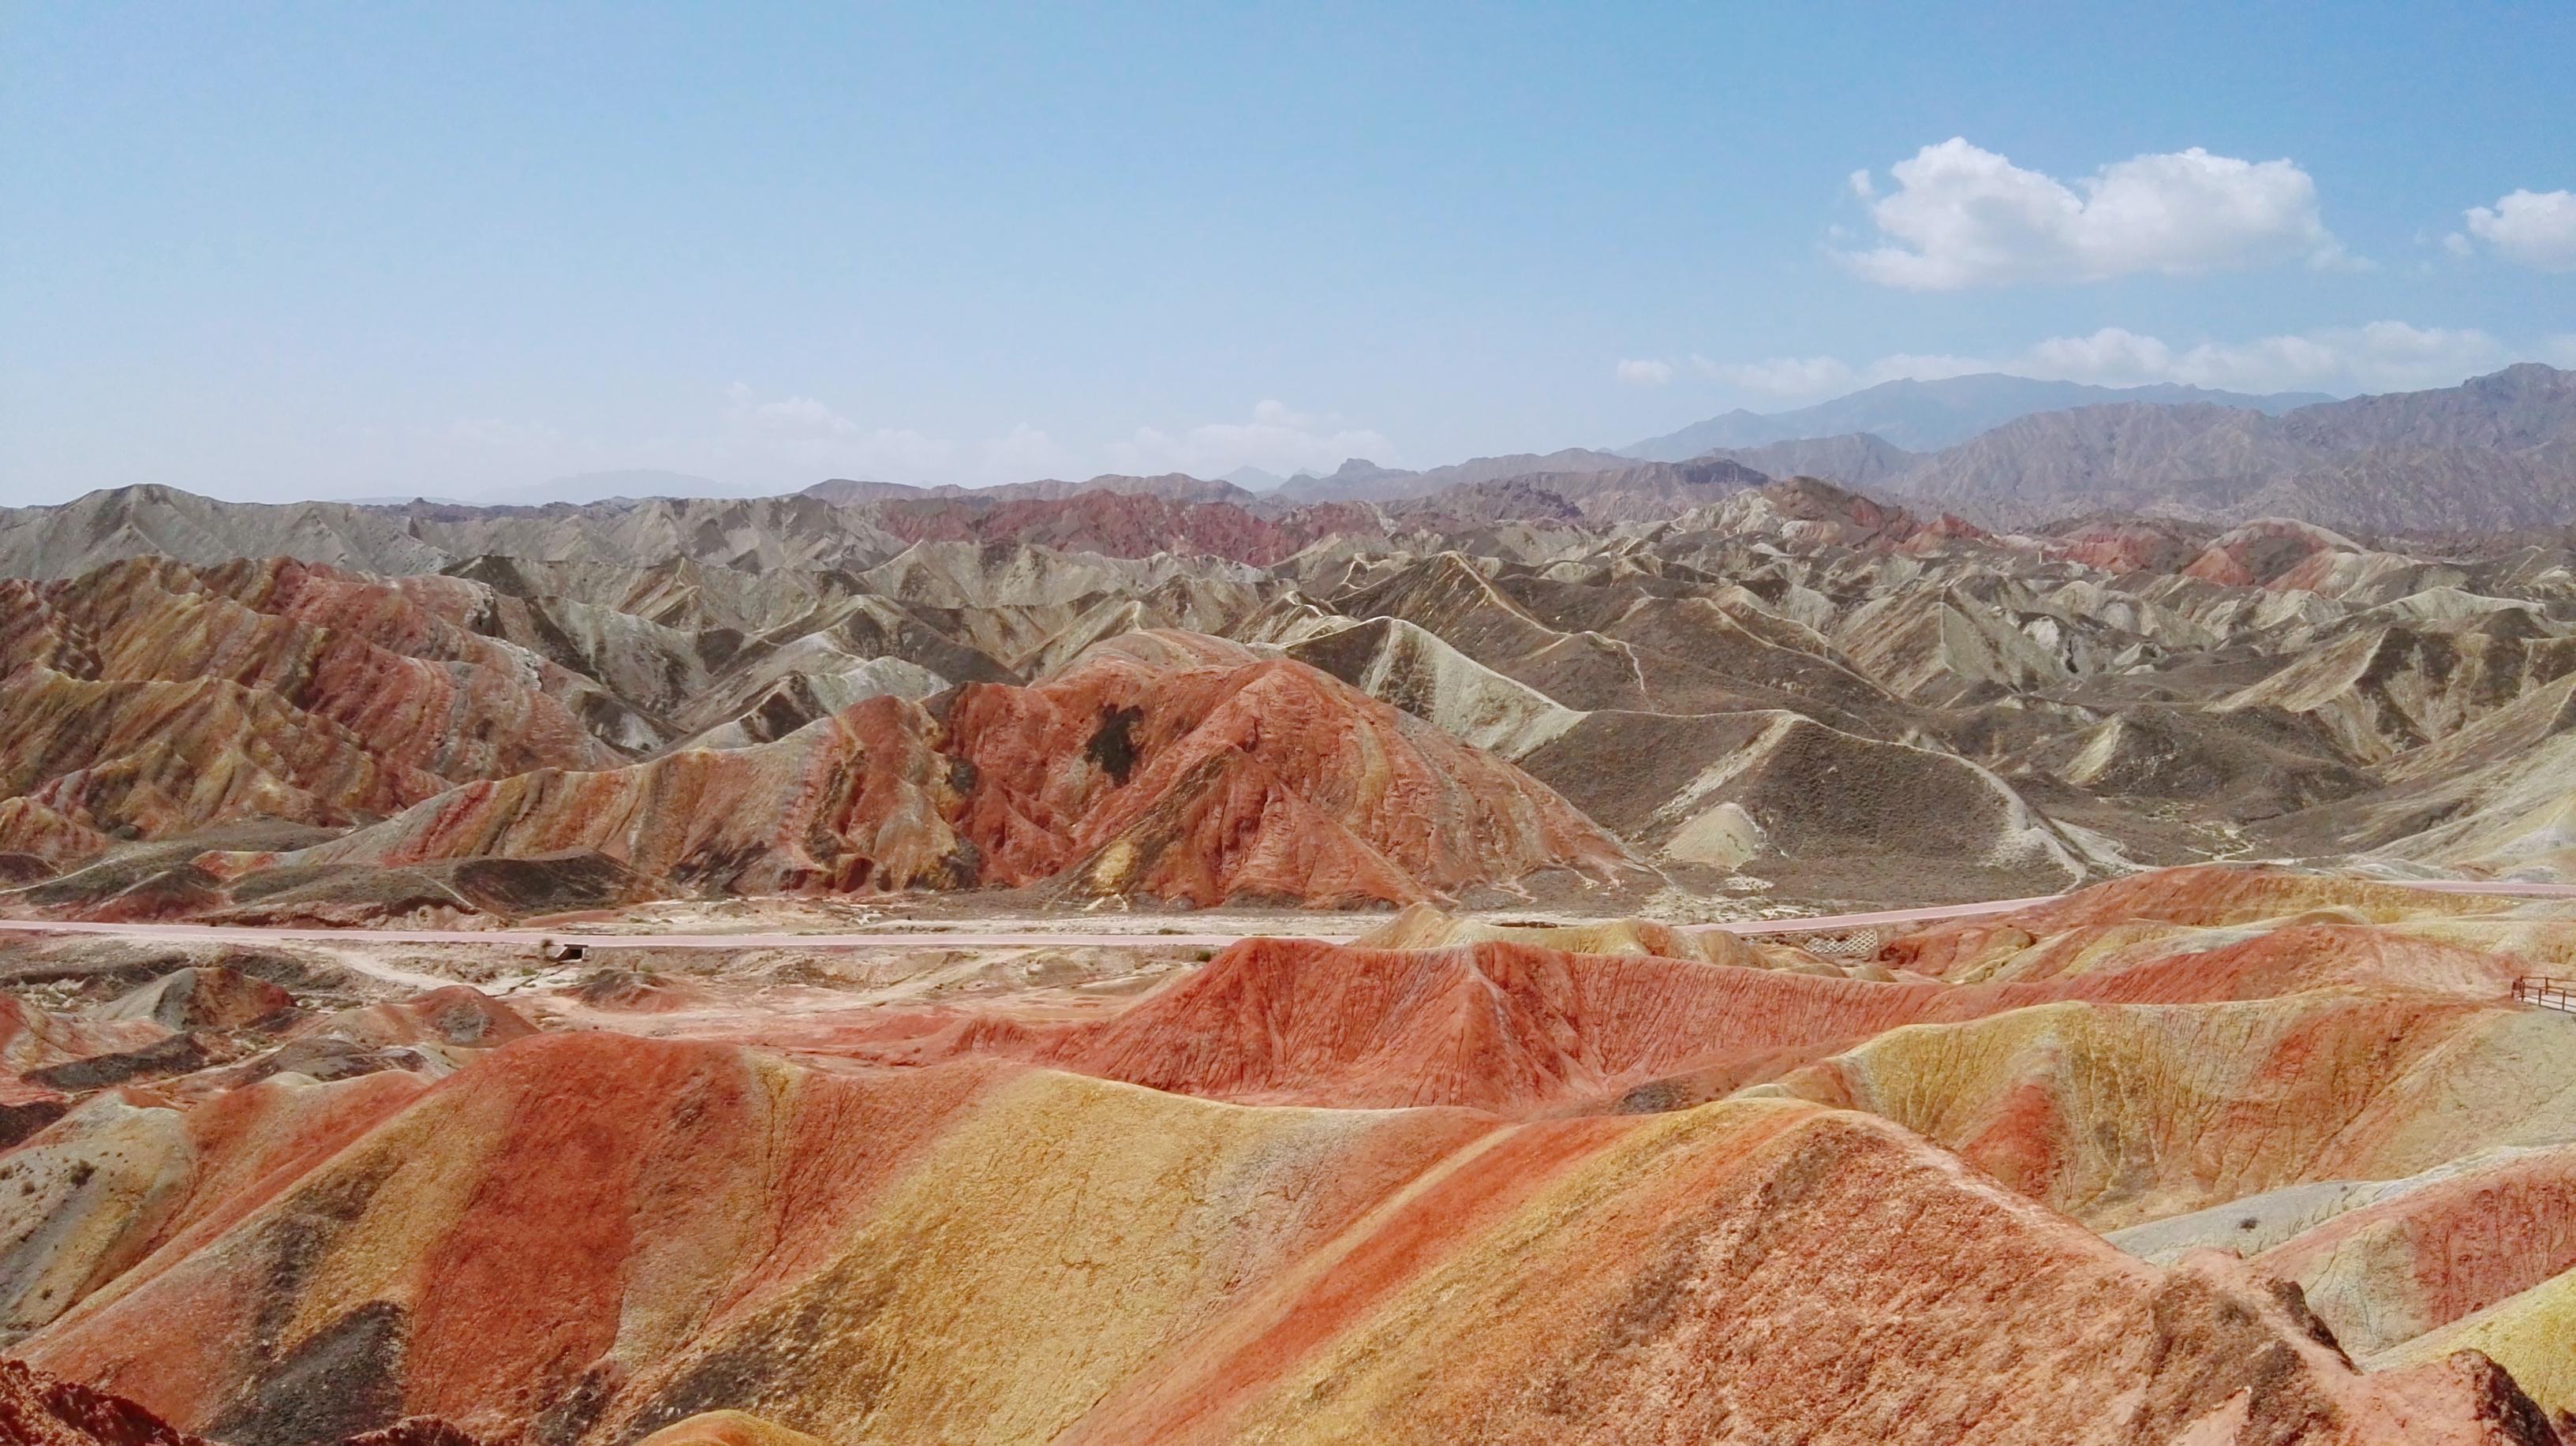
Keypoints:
(1574, 1125)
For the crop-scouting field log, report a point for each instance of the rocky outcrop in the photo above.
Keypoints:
(212, 997)
(853, 801)
(37, 1410)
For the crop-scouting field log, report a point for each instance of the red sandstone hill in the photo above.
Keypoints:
(37, 1410)
(1520, 1028)
(852, 801)
(2204, 896)
(1313, 1192)
(586, 1237)
(150, 699)
(1181, 767)
(1168, 765)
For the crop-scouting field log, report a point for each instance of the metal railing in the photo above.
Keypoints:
(2546, 991)
(1861, 943)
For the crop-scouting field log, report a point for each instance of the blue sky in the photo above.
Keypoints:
(282, 250)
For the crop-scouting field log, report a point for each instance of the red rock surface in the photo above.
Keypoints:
(1166, 764)
(2126, 545)
(849, 802)
(29, 829)
(420, 692)
(727, 1428)
(209, 997)
(457, 1014)
(159, 758)
(1143, 770)
(31, 1038)
(642, 1232)
(37, 1410)
(1520, 1028)
(151, 699)
(26, 1108)
(1305, 1191)
(2259, 553)
(415, 1431)
(2204, 896)
(2392, 1270)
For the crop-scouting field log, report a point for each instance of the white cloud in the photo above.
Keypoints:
(2535, 228)
(1644, 373)
(1276, 439)
(1861, 184)
(2457, 244)
(1787, 376)
(1818, 376)
(798, 438)
(804, 433)
(1961, 217)
(2380, 356)
(1923, 368)
(1022, 453)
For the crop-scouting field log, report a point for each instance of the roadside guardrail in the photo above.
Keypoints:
(2546, 991)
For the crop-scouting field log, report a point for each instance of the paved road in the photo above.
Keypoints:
(966, 938)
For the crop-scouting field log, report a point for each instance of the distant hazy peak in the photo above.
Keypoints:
(1925, 416)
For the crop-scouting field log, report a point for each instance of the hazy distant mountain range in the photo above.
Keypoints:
(1927, 416)
(1361, 480)
(1176, 486)
(579, 488)
(2496, 452)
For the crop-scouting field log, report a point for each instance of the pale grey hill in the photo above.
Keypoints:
(2098, 455)
(580, 487)
(1854, 460)
(629, 482)
(1924, 416)
(1357, 479)
(1360, 480)
(2524, 406)
(1254, 479)
(1639, 492)
(71, 538)
(852, 490)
